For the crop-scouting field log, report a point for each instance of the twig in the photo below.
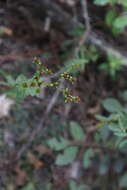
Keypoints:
(38, 129)
(107, 48)
(86, 20)
(65, 23)
(94, 39)
(85, 35)
(95, 146)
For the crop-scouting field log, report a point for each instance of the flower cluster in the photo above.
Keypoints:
(69, 97)
(23, 86)
(66, 93)
(69, 77)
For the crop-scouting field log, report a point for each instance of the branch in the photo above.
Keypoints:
(85, 35)
(63, 21)
(94, 39)
(86, 20)
(107, 48)
(93, 145)
(40, 126)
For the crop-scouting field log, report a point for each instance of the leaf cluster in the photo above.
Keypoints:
(69, 148)
(116, 121)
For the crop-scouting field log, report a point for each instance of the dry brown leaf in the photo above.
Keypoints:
(95, 110)
(20, 177)
(31, 157)
(43, 149)
(34, 161)
(39, 164)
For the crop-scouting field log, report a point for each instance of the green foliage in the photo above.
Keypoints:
(88, 154)
(124, 3)
(69, 151)
(76, 131)
(110, 16)
(116, 22)
(110, 2)
(113, 65)
(68, 156)
(77, 64)
(78, 31)
(112, 105)
(104, 165)
(22, 86)
(30, 186)
(123, 181)
(120, 23)
(116, 121)
(74, 186)
(58, 145)
(102, 2)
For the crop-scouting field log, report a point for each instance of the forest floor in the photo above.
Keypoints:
(19, 45)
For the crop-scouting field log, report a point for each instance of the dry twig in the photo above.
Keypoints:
(40, 126)
(85, 35)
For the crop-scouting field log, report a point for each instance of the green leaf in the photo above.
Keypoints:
(123, 181)
(30, 186)
(4, 83)
(75, 65)
(101, 118)
(124, 3)
(88, 154)
(58, 145)
(120, 22)
(101, 2)
(31, 91)
(74, 186)
(110, 16)
(21, 78)
(114, 127)
(104, 132)
(123, 143)
(104, 165)
(120, 134)
(78, 31)
(112, 105)
(10, 80)
(83, 187)
(67, 157)
(117, 130)
(76, 131)
(119, 165)
(112, 117)
(17, 92)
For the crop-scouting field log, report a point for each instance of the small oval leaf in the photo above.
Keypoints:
(76, 131)
(67, 157)
(112, 105)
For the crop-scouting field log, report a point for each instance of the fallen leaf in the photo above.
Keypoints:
(34, 160)
(43, 149)
(20, 176)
